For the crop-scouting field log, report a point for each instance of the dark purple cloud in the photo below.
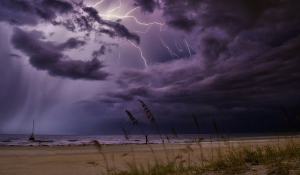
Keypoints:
(182, 23)
(252, 78)
(71, 43)
(232, 16)
(99, 52)
(246, 64)
(128, 95)
(146, 5)
(83, 23)
(19, 12)
(118, 29)
(74, 17)
(48, 56)
(14, 55)
(57, 5)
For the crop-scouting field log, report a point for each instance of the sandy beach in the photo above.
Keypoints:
(56, 160)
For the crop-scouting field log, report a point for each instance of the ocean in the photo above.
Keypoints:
(69, 140)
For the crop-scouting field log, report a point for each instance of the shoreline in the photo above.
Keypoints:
(50, 143)
(137, 139)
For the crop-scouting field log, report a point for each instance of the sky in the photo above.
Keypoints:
(74, 67)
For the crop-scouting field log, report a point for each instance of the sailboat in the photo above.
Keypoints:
(31, 137)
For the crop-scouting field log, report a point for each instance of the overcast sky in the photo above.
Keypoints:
(74, 67)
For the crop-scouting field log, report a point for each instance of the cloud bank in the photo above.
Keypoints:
(246, 63)
(75, 17)
(243, 63)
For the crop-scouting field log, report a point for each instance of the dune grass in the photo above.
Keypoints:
(228, 158)
(276, 156)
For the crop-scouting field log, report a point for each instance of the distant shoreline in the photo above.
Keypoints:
(89, 143)
(22, 140)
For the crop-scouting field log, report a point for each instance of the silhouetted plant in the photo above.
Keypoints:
(174, 133)
(286, 117)
(197, 125)
(199, 139)
(150, 116)
(125, 134)
(99, 147)
(135, 122)
(235, 161)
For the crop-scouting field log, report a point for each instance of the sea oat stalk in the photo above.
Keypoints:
(125, 134)
(285, 114)
(174, 133)
(131, 148)
(197, 125)
(150, 116)
(216, 130)
(287, 118)
(199, 139)
(99, 147)
(135, 122)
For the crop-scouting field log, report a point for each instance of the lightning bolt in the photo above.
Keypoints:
(119, 50)
(143, 31)
(178, 46)
(109, 16)
(189, 47)
(127, 16)
(97, 3)
(140, 52)
(168, 48)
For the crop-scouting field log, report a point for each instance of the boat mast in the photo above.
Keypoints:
(32, 135)
(33, 127)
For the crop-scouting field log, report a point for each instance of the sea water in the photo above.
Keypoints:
(69, 140)
(86, 139)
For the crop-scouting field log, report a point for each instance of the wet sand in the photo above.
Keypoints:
(61, 160)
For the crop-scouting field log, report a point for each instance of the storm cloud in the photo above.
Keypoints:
(48, 56)
(13, 11)
(119, 30)
(146, 5)
(19, 12)
(234, 61)
(247, 58)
